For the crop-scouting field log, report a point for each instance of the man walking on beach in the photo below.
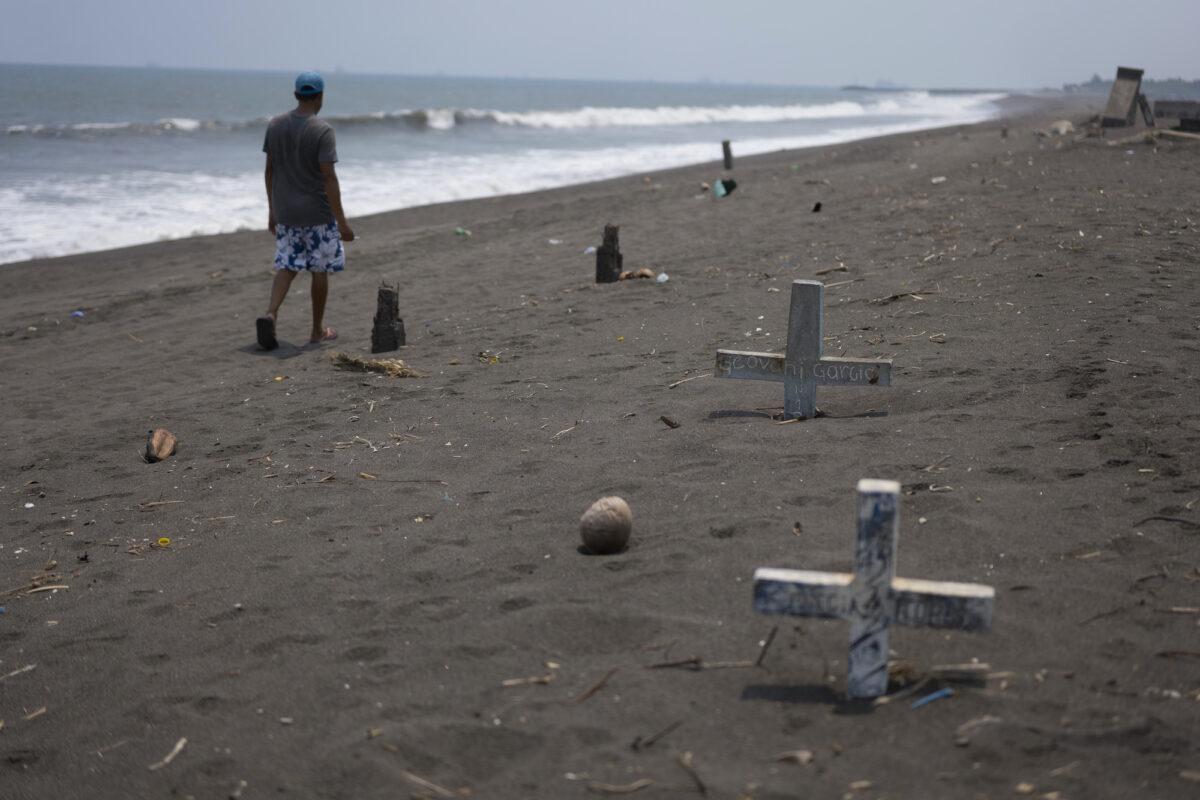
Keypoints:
(305, 204)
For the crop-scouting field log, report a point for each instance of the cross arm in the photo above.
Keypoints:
(943, 604)
(748, 365)
(852, 372)
(802, 593)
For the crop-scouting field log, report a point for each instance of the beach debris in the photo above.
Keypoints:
(624, 788)
(1062, 127)
(872, 597)
(723, 187)
(765, 645)
(536, 680)
(589, 250)
(963, 733)
(919, 294)
(597, 686)
(662, 278)
(461, 231)
(387, 334)
(685, 380)
(670, 423)
(19, 671)
(860, 786)
(554, 241)
(802, 368)
(392, 367)
(686, 763)
(727, 154)
(50, 587)
(801, 757)
(817, 207)
(78, 313)
(236, 792)
(169, 757)
(608, 257)
(428, 785)
(640, 743)
(940, 694)
(150, 505)
(644, 272)
(697, 664)
(937, 180)
(606, 525)
(160, 445)
(164, 541)
(32, 715)
(28, 505)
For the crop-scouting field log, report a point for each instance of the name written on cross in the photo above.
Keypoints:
(802, 368)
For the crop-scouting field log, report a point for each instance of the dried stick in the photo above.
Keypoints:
(762, 651)
(685, 380)
(597, 686)
(169, 757)
(685, 763)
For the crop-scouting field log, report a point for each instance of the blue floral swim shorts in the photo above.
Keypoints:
(316, 249)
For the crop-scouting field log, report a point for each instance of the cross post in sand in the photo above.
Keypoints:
(802, 368)
(873, 598)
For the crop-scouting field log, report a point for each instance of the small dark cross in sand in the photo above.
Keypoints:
(873, 598)
(802, 368)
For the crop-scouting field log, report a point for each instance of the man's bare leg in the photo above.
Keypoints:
(279, 290)
(320, 292)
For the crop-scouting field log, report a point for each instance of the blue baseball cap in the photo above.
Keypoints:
(309, 84)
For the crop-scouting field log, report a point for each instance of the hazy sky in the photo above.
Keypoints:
(970, 43)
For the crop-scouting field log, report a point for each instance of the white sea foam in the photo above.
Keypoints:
(922, 104)
(63, 214)
(902, 104)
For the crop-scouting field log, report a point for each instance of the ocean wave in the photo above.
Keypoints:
(146, 205)
(903, 104)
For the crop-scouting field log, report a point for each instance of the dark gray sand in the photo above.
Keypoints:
(313, 632)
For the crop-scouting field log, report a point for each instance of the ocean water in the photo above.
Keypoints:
(96, 158)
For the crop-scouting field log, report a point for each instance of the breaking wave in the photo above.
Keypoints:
(902, 104)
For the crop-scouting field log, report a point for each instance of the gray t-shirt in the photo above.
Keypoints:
(298, 144)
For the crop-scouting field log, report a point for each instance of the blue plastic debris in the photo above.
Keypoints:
(77, 313)
(929, 698)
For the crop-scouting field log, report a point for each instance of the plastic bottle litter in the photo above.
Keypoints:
(940, 694)
(461, 232)
(662, 278)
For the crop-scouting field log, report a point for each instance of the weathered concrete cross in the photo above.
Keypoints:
(802, 368)
(873, 597)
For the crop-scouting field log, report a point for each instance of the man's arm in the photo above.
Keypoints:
(334, 192)
(269, 174)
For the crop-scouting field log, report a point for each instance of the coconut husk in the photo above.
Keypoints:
(644, 272)
(392, 367)
(160, 444)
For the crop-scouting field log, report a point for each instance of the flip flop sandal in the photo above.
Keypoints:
(266, 333)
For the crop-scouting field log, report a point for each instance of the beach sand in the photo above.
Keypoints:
(356, 563)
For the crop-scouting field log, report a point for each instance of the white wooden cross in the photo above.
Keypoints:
(802, 368)
(873, 598)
